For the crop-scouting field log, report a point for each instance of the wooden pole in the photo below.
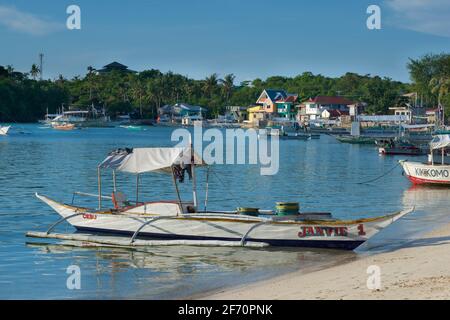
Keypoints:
(194, 186)
(176, 189)
(432, 156)
(114, 181)
(194, 178)
(137, 189)
(99, 188)
(207, 188)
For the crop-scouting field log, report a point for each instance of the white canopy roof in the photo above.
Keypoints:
(142, 160)
(440, 141)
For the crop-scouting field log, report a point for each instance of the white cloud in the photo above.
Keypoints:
(17, 20)
(426, 16)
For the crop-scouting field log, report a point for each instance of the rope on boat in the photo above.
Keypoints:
(227, 187)
(382, 176)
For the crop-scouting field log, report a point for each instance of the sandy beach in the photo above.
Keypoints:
(419, 271)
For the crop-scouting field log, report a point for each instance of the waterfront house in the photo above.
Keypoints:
(114, 66)
(286, 107)
(356, 109)
(257, 115)
(432, 115)
(333, 114)
(238, 113)
(179, 111)
(404, 111)
(268, 98)
(315, 106)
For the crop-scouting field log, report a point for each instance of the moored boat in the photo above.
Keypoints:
(64, 126)
(431, 172)
(356, 139)
(183, 220)
(395, 147)
(83, 118)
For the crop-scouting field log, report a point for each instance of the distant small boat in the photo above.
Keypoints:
(290, 134)
(393, 147)
(356, 139)
(136, 128)
(297, 136)
(64, 126)
(4, 130)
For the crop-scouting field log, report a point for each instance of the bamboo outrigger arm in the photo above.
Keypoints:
(62, 220)
(244, 237)
(135, 234)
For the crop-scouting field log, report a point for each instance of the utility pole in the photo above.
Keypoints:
(41, 64)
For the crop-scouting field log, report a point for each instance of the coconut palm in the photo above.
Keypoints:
(228, 85)
(10, 69)
(441, 87)
(34, 72)
(90, 76)
(210, 85)
(137, 91)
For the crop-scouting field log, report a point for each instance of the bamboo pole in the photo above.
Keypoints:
(137, 189)
(99, 179)
(114, 181)
(194, 178)
(177, 190)
(207, 188)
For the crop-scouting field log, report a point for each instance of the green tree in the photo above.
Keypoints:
(228, 85)
(34, 72)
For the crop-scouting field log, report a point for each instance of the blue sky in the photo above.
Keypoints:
(252, 39)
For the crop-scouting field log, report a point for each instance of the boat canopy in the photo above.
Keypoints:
(440, 141)
(141, 160)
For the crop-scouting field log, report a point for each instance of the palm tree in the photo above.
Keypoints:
(228, 85)
(210, 84)
(10, 69)
(441, 87)
(137, 90)
(34, 71)
(89, 76)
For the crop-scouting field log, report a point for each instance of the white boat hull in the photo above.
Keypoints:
(225, 227)
(4, 130)
(423, 173)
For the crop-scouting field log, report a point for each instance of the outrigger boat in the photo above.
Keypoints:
(430, 172)
(183, 221)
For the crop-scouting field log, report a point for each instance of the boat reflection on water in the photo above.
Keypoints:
(431, 212)
(180, 271)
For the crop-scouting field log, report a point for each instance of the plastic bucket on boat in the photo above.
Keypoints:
(248, 211)
(287, 208)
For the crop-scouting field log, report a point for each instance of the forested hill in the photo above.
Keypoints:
(23, 98)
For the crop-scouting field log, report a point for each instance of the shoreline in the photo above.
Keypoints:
(418, 271)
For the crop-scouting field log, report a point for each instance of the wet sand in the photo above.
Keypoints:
(418, 271)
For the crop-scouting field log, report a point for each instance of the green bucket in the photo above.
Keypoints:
(287, 208)
(248, 211)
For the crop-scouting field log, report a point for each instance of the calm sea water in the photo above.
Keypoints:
(321, 174)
